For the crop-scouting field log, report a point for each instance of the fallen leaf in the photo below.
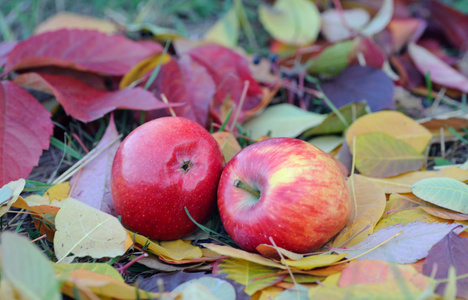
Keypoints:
(9, 194)
(268, 293)
(332, 60)
(439, 71)
(367, 53)
(271, 252)
(374, 271)
(445, 192)
(314, 261)
(253, 276)
(393, 123)
(220, 289)
(91, 185)
(86, 231)
(410, 246)
(27, 268)
(352, 86)
(293, 22)
(244, 255)
(186, 82)
(326, 143)
(67, 20)
(449, 251)
(344, 24)
(25, 128)
(156, 264)
(5, 49)
(230, 71)
(381, 155)
(445, 214)
(225, 31)
(63, 271)
(84, 281)
(84, 50)
(144, 67)
(86, 103)
(299, 292)
(367, 206)
(380, 20)
(173, 250)
(405, 31)
(282, 120)
(333, 124)
(227, 143)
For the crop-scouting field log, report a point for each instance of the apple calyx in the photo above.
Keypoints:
(248, 188)
(186, 166)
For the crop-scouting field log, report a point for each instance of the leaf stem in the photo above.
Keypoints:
(248, 188)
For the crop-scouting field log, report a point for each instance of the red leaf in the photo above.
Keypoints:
(25, 128)
(229, 71)
(5, 49)
(92, 184)
(85, 50)
(450, 251)
(86, 103)
(373, 55)
(187, 82)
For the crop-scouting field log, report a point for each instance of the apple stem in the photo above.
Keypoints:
(240, 184)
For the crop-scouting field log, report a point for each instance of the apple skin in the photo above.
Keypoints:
(161, 167)
(303, 201)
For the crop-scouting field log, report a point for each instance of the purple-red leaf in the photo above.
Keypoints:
(25, 129)
(357, 83)
(92, 184)
(5, 49)
(86, 103)
(84, 50)
(450, 251)
(187, 82)
(229, 71)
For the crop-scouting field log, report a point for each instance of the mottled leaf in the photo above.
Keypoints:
(380, 155)
(293, 22)
(449, 251)
(86, 103)
(92, 184)
(62, 271)
(314, 261)
(253, 276)
(411, 245)
(86, 231)
(25, 129)
(84, 50)
(282, 120)
(444, 192)
(439, 71)
(393, 123)
(353, 85)
(27, 268)
(272, 252)
(367, 206)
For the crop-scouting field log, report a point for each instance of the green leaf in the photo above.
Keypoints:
(332, 123)
(254, 276)
(326, 143)
(332, 60)
(445, 192)
(282, 120)
(293, 22)
(226, 30)
(380, 155)
(27, 269)
(62, 271)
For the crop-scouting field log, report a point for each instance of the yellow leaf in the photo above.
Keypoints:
(86, 231)
(314, 261)
(369, 204)
(170, 250)
(225, 31)
(402, 183)
(293, 22)
(68, 20)
(49, 202)
(9, 193)
(58, 192)
(253, 276)
(104, 286)
(272, 252)
(270, 292)
(407, 216)
(143, 67)
(394, 124)
(63, 271)
(241, 254)
(228, 144)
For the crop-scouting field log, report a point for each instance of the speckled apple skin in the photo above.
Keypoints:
(303, 202)
(150, 188)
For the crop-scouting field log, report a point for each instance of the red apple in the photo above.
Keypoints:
(286, 189)
(160, 168)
